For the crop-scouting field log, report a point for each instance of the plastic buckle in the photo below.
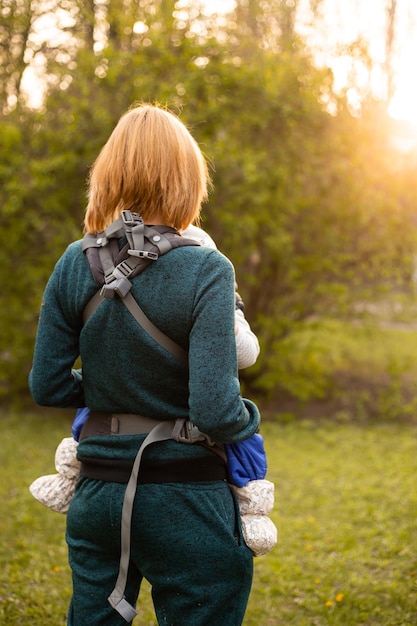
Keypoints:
(190, 433)
(131, 218)
(122, 270)
(122, 287)
(143, 254)
(107, 291)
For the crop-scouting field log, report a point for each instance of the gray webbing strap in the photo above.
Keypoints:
(96, 240)
(135, 236)
(106, 262)
(153, 331)
(140, 316)
(161, 432)
(158, 239)
(143, 320)
(92, 305)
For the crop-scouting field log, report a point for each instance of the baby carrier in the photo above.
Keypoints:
(113, 268)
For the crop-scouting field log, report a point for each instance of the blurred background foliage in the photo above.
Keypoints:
(311, 201)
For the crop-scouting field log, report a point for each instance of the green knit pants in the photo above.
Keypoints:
(186, 541)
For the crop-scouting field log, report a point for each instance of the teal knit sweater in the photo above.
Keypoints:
(189, 295)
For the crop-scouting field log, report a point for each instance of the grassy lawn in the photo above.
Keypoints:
(346, 504)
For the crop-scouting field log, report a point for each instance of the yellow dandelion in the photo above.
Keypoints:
(329, 603)
(57, 568)
(317, 581)
(339, 597)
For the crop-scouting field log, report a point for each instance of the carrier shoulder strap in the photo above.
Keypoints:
(113, 268)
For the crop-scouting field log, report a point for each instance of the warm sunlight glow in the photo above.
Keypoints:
(333, 33)
(345, 25)
(219, 6)
(404, 103)
(210, 7)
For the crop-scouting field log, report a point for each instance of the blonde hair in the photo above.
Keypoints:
(150, 164)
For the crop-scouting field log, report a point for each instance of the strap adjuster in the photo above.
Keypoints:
(122, 270)
(184, 431)
(121, 286)
(144, 254)
(130, 218)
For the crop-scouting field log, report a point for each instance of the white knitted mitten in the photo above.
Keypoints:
(256, 501)
(56, 490)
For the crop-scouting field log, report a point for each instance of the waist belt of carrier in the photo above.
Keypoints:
(195, 469)
(99, 423)
(103, 423)
(180, 430)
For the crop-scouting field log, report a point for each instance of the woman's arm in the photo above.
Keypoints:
(216, 405)
(52, 379)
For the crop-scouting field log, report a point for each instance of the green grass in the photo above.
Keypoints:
(346, 503)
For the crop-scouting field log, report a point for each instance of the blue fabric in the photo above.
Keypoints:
(246, 460)
(79, 421)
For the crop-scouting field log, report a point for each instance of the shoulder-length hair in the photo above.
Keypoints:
(152, 165)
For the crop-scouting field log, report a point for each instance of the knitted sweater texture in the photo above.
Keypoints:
(188, 294)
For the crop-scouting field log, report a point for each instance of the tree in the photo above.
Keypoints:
(15, 28)
(310, 207)
(391, 11)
